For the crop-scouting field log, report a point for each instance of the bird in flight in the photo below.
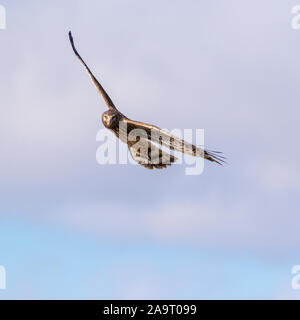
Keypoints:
(140, 136)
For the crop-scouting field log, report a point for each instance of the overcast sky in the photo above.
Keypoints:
(71, 228)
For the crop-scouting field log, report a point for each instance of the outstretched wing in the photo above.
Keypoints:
(98, 86)
(166, 139)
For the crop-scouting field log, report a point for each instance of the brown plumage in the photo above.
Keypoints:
(139, 135)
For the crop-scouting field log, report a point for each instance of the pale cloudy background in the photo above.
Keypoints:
(70, 228)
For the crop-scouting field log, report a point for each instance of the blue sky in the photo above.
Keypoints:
(70, 228)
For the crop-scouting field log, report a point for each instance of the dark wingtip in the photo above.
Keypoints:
(72, 43)
(70, 36)
(215, 156)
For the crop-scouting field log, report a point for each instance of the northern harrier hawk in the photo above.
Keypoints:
(145, 153)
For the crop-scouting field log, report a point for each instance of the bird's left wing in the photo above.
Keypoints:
(172, 142)
(98, 86)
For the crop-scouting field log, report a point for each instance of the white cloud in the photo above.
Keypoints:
(276, 174)
(239, 225)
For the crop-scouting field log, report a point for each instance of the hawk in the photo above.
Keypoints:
(140, 143)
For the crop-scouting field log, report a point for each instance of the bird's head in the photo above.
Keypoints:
(110, 118)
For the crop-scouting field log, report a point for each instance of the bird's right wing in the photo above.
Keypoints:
(98, 86)
(172, 142)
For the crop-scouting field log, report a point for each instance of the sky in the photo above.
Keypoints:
(73, 229)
